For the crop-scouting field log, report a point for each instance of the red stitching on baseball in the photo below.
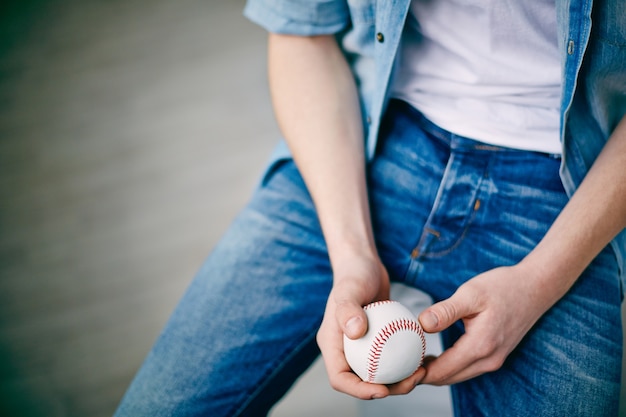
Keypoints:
(377, 303)
(384, 335)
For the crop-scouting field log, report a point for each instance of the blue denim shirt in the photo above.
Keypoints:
(592, 40)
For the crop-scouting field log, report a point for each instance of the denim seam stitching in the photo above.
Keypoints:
(427, 229)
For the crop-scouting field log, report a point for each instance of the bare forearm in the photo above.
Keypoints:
(317, 109)
(593, 217)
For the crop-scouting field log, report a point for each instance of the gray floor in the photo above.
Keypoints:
(130, 134)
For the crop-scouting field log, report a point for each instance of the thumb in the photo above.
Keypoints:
(443, 314)
(352, 319)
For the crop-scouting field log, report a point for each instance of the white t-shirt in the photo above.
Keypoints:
(485, 69)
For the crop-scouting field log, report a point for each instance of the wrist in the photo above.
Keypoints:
(348, 234)
(546, 278)
(349, 250)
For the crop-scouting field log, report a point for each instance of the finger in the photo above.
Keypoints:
(477, 368)
(342, 378)
(445, 367)
(351, 318)
(443, 314)
(464, 360)
(340, 375)
(349, 383)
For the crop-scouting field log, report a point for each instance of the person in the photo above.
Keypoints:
(474, 150)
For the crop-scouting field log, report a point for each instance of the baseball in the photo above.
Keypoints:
(393, 347)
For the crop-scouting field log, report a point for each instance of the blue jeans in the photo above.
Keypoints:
(444, 208)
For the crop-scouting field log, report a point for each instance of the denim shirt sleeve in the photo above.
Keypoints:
(299, 17)
(593, 42)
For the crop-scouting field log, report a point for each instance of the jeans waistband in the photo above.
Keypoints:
(453, 140)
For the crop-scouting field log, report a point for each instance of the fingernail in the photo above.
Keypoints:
(429, 320)
(352, 326)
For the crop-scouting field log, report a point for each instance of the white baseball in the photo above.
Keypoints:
(393, 347)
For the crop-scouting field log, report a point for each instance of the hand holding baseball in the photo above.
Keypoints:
(357, 283)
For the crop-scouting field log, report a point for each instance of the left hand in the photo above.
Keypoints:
(498, 308)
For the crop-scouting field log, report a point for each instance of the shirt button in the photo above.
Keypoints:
(369, 120)
(570, 47)
(380, 37)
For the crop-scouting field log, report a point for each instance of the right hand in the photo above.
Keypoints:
(357, 282)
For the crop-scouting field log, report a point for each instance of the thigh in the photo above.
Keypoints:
(570, 362)
(245, 329)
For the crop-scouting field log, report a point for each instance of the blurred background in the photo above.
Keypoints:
(131, 132)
